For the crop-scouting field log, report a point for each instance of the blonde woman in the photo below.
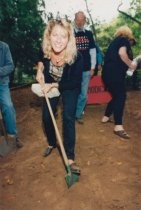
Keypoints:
(60, 66)
(118, 58)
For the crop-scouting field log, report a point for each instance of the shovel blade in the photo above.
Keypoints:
(5, 148)
(71, 178)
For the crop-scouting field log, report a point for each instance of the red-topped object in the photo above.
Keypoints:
(96, 92)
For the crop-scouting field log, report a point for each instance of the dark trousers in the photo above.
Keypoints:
(116, 105)
(69, 100)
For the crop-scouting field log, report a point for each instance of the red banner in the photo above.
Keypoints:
(96, 92)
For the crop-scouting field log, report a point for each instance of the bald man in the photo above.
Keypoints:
(86, 45)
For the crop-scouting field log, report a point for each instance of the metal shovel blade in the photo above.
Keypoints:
(71, 177)
(5, 148)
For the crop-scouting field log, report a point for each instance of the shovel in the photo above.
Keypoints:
(71, 177)
(5, 148)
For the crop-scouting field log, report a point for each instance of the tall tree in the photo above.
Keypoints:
(136, 7)
(21, 26)
(91, 19)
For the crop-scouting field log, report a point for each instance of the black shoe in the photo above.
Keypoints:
(48, 151)
(19, 143)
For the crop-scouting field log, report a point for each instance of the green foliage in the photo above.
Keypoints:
(21, 26)
(105, 32)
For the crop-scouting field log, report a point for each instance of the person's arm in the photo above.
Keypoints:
(40, 68)
(93, 60)
(92, 52)
(124, 57)
(8, 66)
(40, 78)
(93, 57)
(40, 75)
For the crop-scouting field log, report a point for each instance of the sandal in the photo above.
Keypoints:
(74, 168)
(122, 134)
(108, 121)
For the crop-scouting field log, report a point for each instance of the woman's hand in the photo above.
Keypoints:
(46, 87)
(133, 65)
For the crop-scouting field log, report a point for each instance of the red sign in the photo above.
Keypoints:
(96, 92)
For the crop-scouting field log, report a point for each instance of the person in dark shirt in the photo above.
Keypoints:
(118, 58)
(60, 66)
(86, 45)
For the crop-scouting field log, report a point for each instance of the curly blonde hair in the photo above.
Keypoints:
(124, 31)
(70, 50)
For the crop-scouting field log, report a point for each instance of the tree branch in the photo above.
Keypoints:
(127, 15)
(93, 28)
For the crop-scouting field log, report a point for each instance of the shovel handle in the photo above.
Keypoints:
(57, 131)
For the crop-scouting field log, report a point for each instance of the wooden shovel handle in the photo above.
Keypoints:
(57, 131)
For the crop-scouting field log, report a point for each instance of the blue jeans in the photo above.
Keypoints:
(69, 100)
(7, 109)
(82, 99)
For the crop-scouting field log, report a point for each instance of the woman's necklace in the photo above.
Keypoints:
(57, 60)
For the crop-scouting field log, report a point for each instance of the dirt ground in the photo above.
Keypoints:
(111, 167)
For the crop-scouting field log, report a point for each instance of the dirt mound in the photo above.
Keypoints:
(111, 167)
